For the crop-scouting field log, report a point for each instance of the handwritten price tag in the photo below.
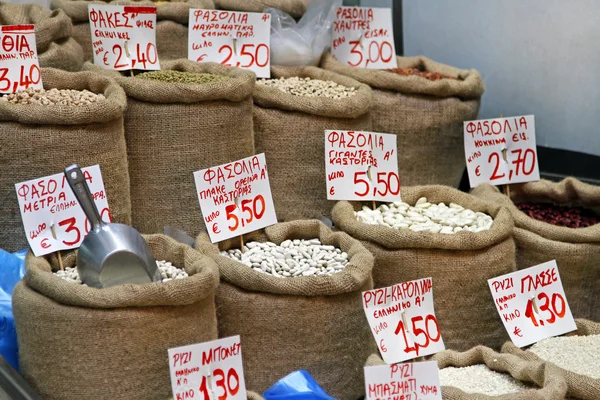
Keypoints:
(501, 151)
(532, 304)
(411, 381)
(403, 320)
(124, 37)
(49, 201)
(19, 59)
(364, 37)
(361, 166)
(235, 39)
(235, 198)
(208, 371)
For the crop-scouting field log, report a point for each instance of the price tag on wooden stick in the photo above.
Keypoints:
(124, 37)
(532, 304)
(361, 166)
(235, 198)
(19, 59)
(416, 380)
(234, 39)
(501, 151)
(211, 370)
(403, 321)
(364, 37)
(49, 203)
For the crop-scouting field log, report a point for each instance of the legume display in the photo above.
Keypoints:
(66, 97)
(167, 270)
(570, 217)
(309, 87)
(182, 77)
(432, 76)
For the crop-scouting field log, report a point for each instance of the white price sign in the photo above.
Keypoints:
(19, 59)
(403, 320)
(364, 37)
(361, 166)
(417, 380)
(234, 39)
(124, 37)
(501, 151)
(211, 370)
(235, 198)
(49, 202)
(532, 304)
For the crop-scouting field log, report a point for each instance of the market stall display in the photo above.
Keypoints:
(459, 264)
(576, 250)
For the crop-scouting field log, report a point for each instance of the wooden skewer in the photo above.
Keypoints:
(60, 260)
(242, 243)
(506, 188)
(128, 56)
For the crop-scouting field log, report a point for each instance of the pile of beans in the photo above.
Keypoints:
(167, 270)
(65, 97)
(579, 354)
(432, 76)
(292, 258)
(570, 217)
(308, 87)
(426, 217)
(182, 77)
(480, 379)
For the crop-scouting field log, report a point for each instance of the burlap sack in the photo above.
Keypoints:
(427, 117)
(171, 23)
(287, 324)
(579, 386)
(295, 8)
(576, 250)
(53, 29)
(40, 140)
(459, 264)
(290, 130)
(249, 395)
(175, 129)
(79, 342)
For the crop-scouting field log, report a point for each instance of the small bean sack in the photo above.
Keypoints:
(290, 130)
(171, 23)
(53, 30)
(314, 323)
(213, 126)
(80, 342)
(295, 8)
(576, 250)
(579, 386)
(426, 116)
(459, 264)
(40, 140)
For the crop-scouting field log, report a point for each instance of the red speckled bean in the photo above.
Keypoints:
(571, 217)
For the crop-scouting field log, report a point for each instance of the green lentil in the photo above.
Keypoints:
(182, 77)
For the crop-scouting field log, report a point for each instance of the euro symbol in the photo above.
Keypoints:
(215, 229)
(332, 191)
(202, 57)
(477, 171)
(105, 56)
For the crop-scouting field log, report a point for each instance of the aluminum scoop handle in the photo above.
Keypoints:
(82, 192)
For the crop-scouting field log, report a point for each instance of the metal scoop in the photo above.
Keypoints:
(110, 254)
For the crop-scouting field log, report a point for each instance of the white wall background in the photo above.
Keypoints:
(537, 57)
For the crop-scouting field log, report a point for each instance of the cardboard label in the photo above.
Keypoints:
(19, 69)
(235, 198)
(234, 39)
(532, 304)
(403, 322)
(501, 151)
(124, 37)
(49, 201)
(411, 381)
(364, 37)
(211, 370)
(361, 166)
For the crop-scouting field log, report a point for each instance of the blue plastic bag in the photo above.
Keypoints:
(12, 270)
(299, 385)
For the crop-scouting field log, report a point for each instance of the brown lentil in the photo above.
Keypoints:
(432, 76)
(182, 77)
(570, 217)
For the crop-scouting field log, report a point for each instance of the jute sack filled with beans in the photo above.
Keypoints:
(214, 126)
(576, 250)
(171, 23)
(290, 130)
(80, 342)
(561, 357)
(309, 322)
(457, 263)
(40, 140)
(426, 116)
(53, 29)
(295, 8)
